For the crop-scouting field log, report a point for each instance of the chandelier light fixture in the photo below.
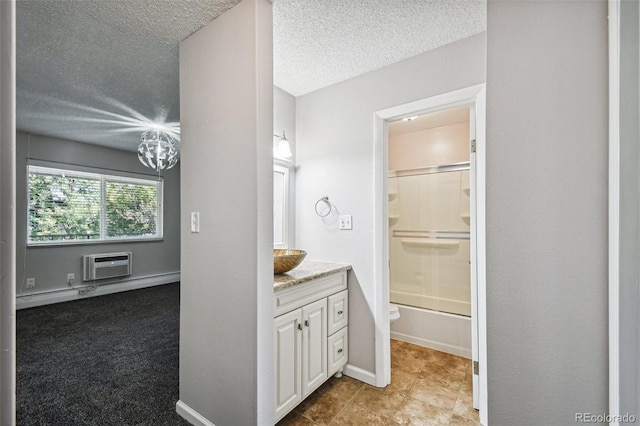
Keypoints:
(157, 150)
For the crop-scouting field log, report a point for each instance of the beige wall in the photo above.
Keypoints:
(629, 160)
(546, 210)
(226, 295)
(438, 146)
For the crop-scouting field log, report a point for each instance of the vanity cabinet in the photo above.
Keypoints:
(311, 338)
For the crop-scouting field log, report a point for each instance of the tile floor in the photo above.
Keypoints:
(427, 388)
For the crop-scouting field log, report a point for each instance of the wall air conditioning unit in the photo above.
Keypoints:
(106, 265)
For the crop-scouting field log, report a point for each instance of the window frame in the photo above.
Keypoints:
(103, 176)
(284, 206)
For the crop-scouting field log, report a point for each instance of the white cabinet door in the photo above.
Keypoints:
(288, 345)
(314, 346)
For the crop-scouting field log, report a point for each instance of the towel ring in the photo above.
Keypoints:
(323, 201)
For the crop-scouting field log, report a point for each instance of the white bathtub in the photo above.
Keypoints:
(432, 329)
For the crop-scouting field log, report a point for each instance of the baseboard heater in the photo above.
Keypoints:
(106, 265)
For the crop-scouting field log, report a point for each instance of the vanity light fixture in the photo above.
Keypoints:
(157, 150)
(282, 149)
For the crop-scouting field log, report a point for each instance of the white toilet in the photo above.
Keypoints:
(394, 312)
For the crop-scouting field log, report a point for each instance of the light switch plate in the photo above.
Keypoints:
(195, 222)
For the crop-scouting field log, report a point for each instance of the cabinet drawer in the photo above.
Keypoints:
(338, 347)
(299, 295)
(338, 311)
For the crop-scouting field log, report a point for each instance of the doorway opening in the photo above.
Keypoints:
(397, 195)
(429, 229)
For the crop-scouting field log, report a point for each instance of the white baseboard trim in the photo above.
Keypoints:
(360, 374)
(66, 295)
(438, 346)
(191, 415)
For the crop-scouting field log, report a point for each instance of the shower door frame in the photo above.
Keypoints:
(475, 95)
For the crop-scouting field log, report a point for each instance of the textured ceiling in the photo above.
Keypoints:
(100, 71)
(321, 42)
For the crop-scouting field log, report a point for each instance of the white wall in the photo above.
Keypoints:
(547, 150)
(226, 312)
(49, 265)
(7, 212)
(335, 157)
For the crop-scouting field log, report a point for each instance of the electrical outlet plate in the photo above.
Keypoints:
(31, 283)
(345, 222)
(71, 278)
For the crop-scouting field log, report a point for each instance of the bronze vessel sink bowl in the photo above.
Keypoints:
(285, 260)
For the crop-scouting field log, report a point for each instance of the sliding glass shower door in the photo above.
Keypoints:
(429, 241)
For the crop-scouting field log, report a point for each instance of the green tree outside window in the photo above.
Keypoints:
(76, 206)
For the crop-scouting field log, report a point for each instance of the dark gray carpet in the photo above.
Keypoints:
(107, 360)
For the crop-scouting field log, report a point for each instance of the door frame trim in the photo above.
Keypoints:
(472, 94)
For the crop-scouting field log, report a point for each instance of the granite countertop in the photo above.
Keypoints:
(307, 271)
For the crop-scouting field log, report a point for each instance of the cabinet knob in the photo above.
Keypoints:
(306, 323)
(340, 312)
(340, 350)
(299, 326)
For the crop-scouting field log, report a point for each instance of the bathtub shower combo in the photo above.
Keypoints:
(429, 252)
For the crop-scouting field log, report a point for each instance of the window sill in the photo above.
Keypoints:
(93, 242)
